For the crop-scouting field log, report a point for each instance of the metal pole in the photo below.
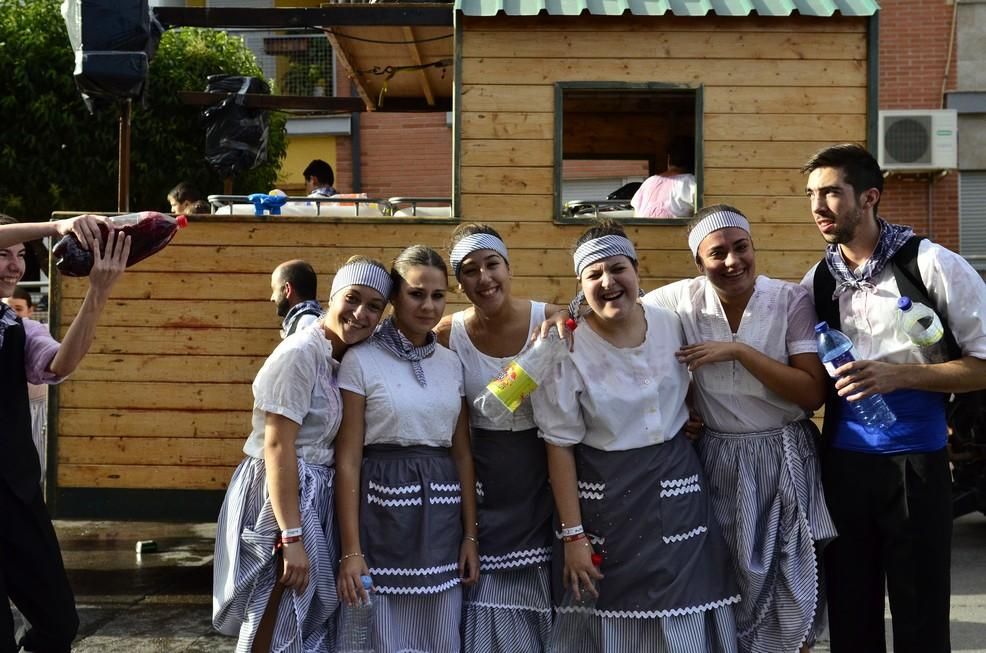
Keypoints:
(123, 188)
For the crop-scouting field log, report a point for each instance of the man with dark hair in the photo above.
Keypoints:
(888, 490)
(319, 179)
(32, 574)
(294, 286)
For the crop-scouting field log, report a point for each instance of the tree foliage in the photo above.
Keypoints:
(54, 155)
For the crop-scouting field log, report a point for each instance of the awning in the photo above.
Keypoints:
(821, 8)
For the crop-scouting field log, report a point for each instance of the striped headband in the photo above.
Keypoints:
(603, 247)
(715, 222)
(470, 244)
(362, 274)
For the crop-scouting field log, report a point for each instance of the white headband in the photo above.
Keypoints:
(715, 222)
(362, 274)
(470, 244)
(603, 247)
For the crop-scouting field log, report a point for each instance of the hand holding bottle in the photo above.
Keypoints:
(84, 227)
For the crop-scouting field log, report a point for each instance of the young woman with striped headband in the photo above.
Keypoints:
(509, 610)
(627, 482)
(281, 496)
(406, 488)
(751, 351)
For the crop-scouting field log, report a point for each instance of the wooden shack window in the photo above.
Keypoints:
(611, 137)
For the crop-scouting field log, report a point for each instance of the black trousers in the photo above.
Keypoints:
(894, 517)
(32, 575)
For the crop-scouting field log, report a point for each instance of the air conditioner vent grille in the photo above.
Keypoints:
(908, 140)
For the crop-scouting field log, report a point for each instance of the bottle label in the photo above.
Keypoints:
(929, 336)
(512, 386)
(834, 364)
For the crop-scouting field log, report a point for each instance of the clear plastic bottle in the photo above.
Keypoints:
(149, 232)
(923, 327)
(356, 623)
(572, 627)
(836, 349)
(505, 393)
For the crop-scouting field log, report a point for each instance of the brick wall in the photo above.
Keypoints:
(402, 154)
(914, 40)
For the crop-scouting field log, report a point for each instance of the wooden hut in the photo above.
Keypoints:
(152, 423)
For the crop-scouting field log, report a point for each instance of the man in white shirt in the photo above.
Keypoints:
(294, 286)
(888, 490)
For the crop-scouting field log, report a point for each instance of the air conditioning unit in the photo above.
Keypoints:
(916, 140)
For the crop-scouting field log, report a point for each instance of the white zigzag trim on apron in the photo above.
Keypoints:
(404, 489)
(677, 482)
(479, 490)
(585, 485)
(413, 571)
(392, 503)
(384, 589)
(506, 606)
(595, 539)
(687, 489)
(684, 536)
(651, 614)
(445, 487)
(445, 500)
(515, 559)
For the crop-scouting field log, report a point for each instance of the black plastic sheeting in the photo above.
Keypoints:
(235, 135)
(114, 41)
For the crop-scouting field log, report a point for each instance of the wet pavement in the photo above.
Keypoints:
(160, 602)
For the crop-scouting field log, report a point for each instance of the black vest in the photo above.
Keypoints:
(19, 465)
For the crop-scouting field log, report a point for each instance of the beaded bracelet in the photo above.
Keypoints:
(292, 532)
(351, 555)
(471, 538)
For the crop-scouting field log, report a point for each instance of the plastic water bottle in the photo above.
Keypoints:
(836, 349)
(149, 232)
(356, 623)
(923, 327)
(572, 627)
(505, 393)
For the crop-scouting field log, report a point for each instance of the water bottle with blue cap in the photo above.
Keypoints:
(356, 623)
(836, 349)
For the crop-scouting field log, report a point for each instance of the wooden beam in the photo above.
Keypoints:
(412, 49)
(354, 74)
(416, 13)
(303, 103)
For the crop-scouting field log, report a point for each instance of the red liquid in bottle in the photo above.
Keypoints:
(149, 232)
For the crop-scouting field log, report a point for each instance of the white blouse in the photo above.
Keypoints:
(613, 398)
(298, 381)
(398, 409)
(869, 317)
(479, 369)
(778, 321)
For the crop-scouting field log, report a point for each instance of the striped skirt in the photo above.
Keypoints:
(767, 496)
(411, 534)
(667, 583)
(509, 610)
(244, 572)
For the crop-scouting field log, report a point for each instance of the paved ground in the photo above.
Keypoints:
(161, 602)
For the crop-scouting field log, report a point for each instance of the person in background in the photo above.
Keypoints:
(281, 496)
(23, 305)
(32, 573)
(319, 179)
(294, 286)
(185, 198)
(755, 379)
(626, 480)
(889, 490)
(509, 610)
(670, 194)
(406, 498)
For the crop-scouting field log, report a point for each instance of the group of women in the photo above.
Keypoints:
(367, 459)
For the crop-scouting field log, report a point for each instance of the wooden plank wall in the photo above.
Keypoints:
(775, 90)
(162, 401)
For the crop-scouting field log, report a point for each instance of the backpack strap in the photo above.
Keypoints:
(823, 286)
(910, 284)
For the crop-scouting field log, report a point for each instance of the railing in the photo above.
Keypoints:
(370, 206)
